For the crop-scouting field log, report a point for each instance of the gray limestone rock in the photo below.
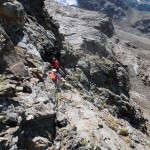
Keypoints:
(61, 120)
(41, 143)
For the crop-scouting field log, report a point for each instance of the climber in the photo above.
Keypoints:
(56, 52)
(47, 54)
(55, 64)
(55, 78)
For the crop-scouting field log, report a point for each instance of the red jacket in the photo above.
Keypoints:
(56, 64)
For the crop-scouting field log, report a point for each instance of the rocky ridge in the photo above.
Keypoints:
(133, 50)
(94, 101)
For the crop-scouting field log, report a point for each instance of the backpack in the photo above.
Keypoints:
(56, 64)
(58, 78)
(53, 76)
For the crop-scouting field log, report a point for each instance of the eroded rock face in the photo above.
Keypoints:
(37, 10)
(10, 60)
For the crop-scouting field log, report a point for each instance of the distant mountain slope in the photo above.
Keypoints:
(141, 5)
(128, 14)
(103, 5)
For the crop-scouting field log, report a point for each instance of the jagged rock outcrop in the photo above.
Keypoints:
(37, 10)
(10, 61)
(94, 101)
(25, 100)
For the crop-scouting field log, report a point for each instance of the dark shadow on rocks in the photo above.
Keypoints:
(95, 48)
(137, 123)
(6, 102)
(39, 127)
(128, 112)
(70, 59)
(36, 9)
(10, 110)
(3, 63)
(17, 37)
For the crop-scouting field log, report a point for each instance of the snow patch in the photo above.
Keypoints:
(68, 2)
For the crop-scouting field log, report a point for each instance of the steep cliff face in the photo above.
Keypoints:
(25, 96)
(93, 109)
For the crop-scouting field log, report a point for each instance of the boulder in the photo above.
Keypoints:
(13, 15)
(61, 120)
(41, 143)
